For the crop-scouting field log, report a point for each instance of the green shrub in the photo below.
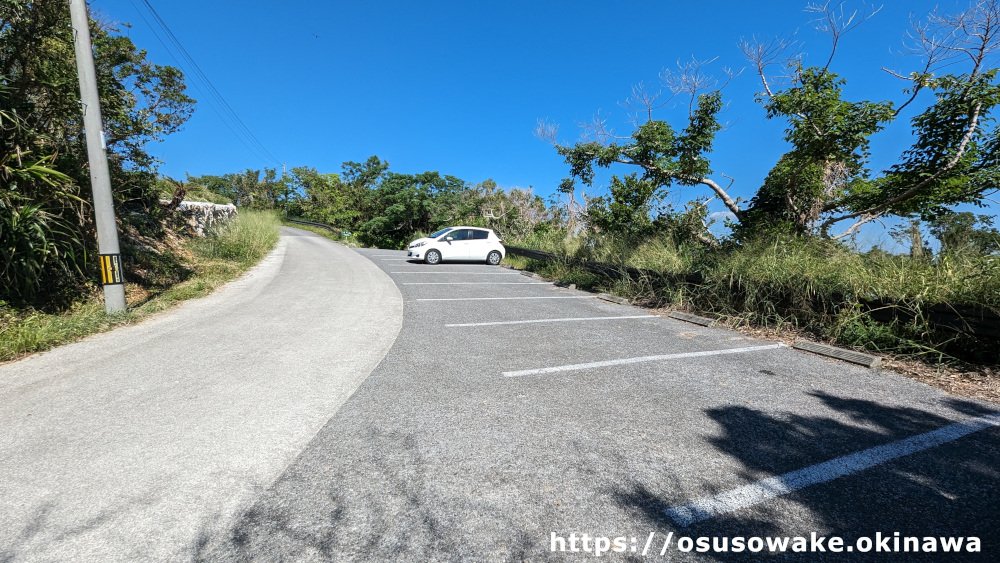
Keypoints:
(35, 246)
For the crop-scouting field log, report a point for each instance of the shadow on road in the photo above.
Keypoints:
(949, 490)
(379, 509)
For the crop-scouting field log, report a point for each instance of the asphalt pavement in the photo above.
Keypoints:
(510, 418)
(143, 443)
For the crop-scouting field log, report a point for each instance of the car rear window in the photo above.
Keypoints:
(479, 235)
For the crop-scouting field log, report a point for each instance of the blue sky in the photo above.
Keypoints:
(458, 87)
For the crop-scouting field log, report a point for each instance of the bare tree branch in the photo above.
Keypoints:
(598, 131)
(547, 131)
(973, 35)
(944, 40)
(692, 80)
(644, 101)
(919, 79)
(836, 22)
(772, 52)
(864, 219)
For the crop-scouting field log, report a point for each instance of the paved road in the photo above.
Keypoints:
(508, 418)
(473, 440)
(142, 443)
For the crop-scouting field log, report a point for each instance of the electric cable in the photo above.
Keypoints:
(218, 103)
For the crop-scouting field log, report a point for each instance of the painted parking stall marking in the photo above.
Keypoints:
(475, 283)
(766, 489)
(626, 361)
(562, 320)
(461, 273)
(506, 298)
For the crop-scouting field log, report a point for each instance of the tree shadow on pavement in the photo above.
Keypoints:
(948, 490)
(377, 506)
(52, 530)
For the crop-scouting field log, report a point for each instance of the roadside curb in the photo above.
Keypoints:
(703, 321)
(613, 298)
(871, 362)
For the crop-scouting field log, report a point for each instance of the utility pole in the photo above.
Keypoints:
(100, 177)
(284, 176)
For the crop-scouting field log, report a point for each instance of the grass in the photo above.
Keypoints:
(214, 260)
(243, 241)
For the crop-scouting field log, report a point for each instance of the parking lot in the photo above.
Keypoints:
(511, 415)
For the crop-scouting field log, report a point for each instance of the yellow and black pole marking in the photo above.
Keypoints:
(111, 269)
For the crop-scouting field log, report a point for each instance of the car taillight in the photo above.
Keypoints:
(501, 241)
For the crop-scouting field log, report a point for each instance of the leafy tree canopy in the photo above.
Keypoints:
(44, 176)
(823, 185)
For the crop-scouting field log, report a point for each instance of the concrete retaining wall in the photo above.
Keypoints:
(200, 216)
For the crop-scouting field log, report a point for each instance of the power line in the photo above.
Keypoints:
(219, 105)
(242, 131)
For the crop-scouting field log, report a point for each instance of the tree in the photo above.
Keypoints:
(219, 185)
(253, 191)
(910, 234)
(323, 197)
(43, 157)
(410, 203)
(247, 188)
(360, 180)
(824, 180)
(514, 214)
(665, 156)
(626, 212)
(823, 183)
(965, 234)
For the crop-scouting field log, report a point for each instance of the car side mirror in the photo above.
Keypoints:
(449, 239)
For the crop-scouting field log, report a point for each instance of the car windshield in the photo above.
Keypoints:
(439, 233)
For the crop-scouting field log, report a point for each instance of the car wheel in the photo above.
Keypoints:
(432, 257)
(493, 258)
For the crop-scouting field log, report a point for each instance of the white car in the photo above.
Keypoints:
(472, 244)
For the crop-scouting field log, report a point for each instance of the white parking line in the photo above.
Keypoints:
(625, 361)
(766, 489)
(506, 298)
(569, 319)
(464, 273)
(475, 283)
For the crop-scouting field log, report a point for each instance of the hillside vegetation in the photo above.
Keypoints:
(49, 279)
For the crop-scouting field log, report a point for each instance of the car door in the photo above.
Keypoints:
(479, 244)
(456, 248)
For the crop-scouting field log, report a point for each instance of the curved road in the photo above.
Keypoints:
(141, 443)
